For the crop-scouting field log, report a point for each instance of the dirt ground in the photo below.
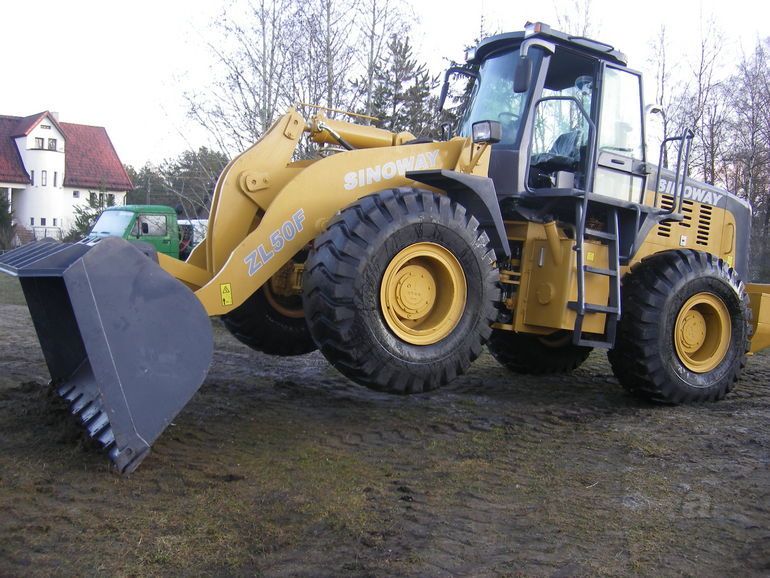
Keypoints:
(282, 467)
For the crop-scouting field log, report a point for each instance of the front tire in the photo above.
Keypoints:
(400, 291)
(684, 333)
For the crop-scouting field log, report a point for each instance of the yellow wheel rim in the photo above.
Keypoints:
(281, 303)
(423, 293)
(702, 332)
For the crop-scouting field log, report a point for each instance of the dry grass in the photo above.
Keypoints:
(10, 291)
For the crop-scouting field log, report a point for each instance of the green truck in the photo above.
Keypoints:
(156, 225)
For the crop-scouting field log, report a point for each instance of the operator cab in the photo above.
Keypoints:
(570, 112)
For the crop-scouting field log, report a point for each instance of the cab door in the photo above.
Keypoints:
(155, 230)
(620, 169)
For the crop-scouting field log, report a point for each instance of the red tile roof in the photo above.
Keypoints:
(90, 159)
(26, 124)
(11, 168)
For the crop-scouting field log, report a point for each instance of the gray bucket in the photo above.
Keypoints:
(126, 344)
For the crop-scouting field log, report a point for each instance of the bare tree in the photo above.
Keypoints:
(578, 19)
(667, 89)
(700, 109)
(380, 20)
(250, 49)
(747, 166)
(189, 180)
(271, 54)
(322, 52)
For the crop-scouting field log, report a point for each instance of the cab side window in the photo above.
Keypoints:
(560, 132)
(619, 170)
(152, 225)
(620, 128)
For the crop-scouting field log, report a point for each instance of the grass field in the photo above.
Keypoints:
(10, 291)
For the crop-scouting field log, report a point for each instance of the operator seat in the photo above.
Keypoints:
(568, 151)
(565, 154)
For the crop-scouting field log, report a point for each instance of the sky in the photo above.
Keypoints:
(125, 65)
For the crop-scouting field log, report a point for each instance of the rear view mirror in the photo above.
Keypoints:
(467, 72)
(522, 75)
(443, 95)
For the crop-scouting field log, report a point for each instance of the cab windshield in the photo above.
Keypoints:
(112, 223)
(492, 98)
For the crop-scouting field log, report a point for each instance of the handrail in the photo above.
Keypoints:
(685, 140)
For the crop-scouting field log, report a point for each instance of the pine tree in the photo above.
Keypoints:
(7, 231)
(401, 95)
(85, 215)
(190, 180)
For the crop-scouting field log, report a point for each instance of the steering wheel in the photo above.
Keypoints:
(508, 117)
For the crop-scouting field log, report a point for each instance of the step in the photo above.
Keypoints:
(600, 234)
(594, 343)
(595, 308)
(600, 271)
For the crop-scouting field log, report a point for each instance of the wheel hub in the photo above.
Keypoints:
(415, 292)
(423, 293)
(693, 331)
(702, 332)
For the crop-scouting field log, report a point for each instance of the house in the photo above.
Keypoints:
(48, 167)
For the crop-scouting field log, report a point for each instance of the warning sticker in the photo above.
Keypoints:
(226, 293)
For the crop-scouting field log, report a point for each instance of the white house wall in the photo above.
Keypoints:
(40, 204)
(70, 201)
(48, 209)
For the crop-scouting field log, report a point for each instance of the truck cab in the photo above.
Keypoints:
(572, 176)
(573, 122)
(152, 224)
(554, 97)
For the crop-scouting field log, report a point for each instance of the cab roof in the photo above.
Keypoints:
(590, 47)
(142, 208)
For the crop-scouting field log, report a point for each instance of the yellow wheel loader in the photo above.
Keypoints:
(541, 228)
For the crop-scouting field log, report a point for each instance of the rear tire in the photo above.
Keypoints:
(684, 333)
(400, 291)
(271, 324)
(536, 354)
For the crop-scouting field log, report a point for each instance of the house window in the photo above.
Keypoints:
(110, 199)
(55, 222)
(44, 178)
(51, 144)
(42, 221)
(92, 198)
(39, 142)
(32, 221)
(75, 194)
(32, 178)
(45, 126)
(55, 179)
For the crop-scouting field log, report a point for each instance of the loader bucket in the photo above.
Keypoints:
(126, 344)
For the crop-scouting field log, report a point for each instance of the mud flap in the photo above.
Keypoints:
(126, 344)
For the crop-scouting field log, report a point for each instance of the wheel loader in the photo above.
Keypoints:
(539, 226)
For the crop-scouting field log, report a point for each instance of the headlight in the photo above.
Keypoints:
(487, 131)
